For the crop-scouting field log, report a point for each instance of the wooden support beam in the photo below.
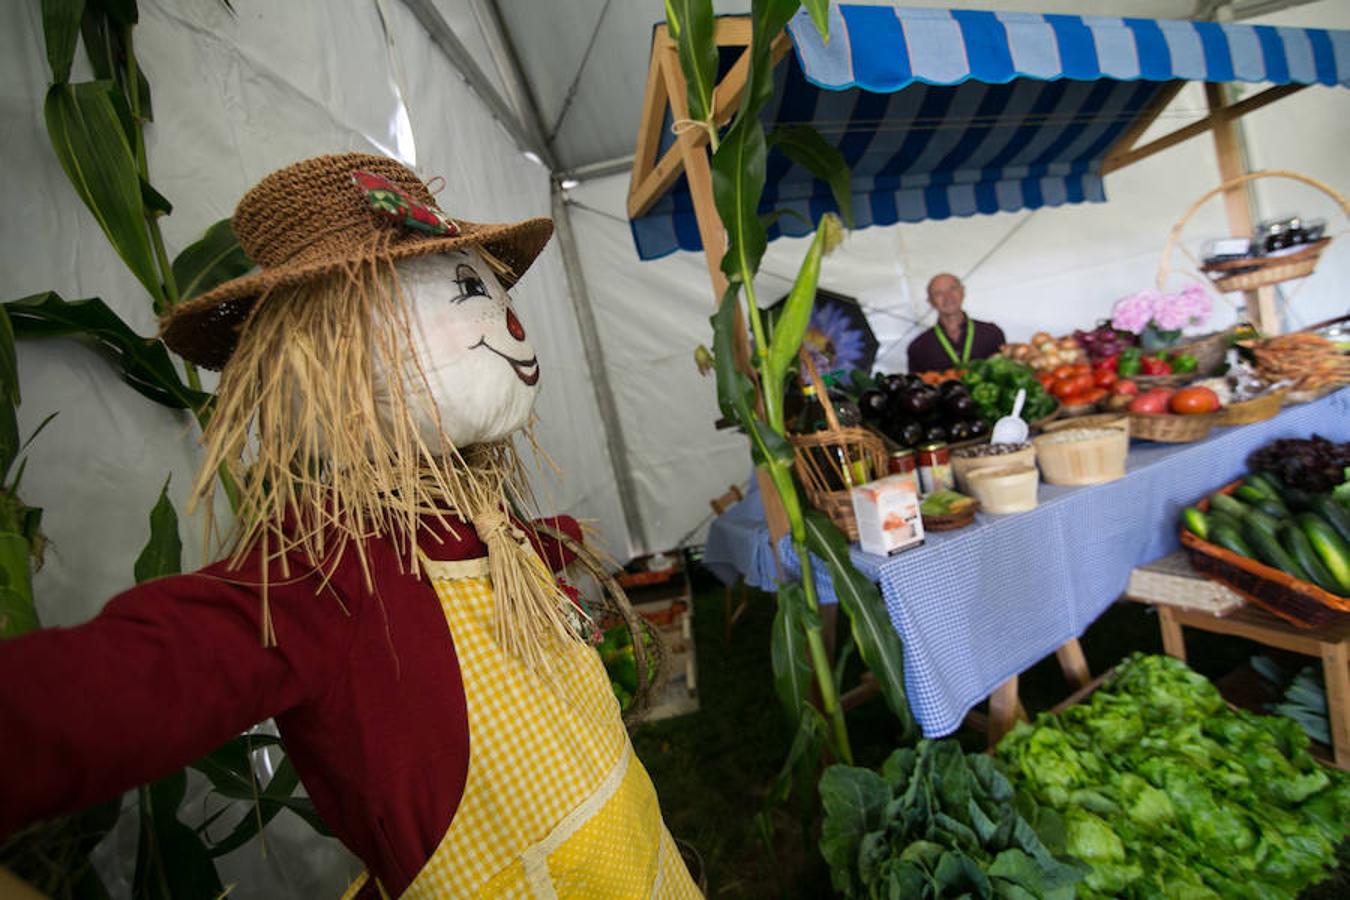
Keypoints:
(1073, 663)
(1228, 114)
(1003, 707)
(649, 128)
(1131, 135)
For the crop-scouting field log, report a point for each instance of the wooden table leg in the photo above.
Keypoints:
(1003, 704)
(1174, 644)
(1336, 670)
(1073, 663)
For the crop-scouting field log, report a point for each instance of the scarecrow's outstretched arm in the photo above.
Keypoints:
(168, 671)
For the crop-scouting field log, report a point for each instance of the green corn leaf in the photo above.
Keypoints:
(88, 138)
(735, 392)
(155, 202)
(98, 42)
(692, 26)
(792, 323)
(171, 859)
(772, 443)
(163, 552)
(820, 16)
(805, 749)
(144, 363)
(769, 17)
(60, 27)
(804, 145)
(878, 643)
(17, 614)
(738, 183)
(215, 258)
(9, 362)
(121, 12)
(788, 652)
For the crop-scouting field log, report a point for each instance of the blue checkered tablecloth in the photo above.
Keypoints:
(976, 606)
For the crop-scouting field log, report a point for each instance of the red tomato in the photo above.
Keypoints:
(1096, 395)
(1062, 389)
(1082, 382)
(1125, 387)
(1104, 378)
(1062, 372)
(1082, 369)
(1046, 379)
(1193, 400)
(1149, 403)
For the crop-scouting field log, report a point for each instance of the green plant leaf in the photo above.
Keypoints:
(738, 182)
(878, 643)
(98, 42)
(853, 800)
(155, 202)
(804, 145)
(735, 392)
(769, 17)
(772, 444)
(88, 138)
(163, 552)
(820, 16)
(144, 363)
(9, 362)
(692, 25)
(60, 27)
(790, 326)
(17, 614)
(788, 652)
(171, 860)
(122, 12)
(215, 258)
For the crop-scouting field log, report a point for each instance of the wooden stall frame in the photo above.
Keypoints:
(652, 177)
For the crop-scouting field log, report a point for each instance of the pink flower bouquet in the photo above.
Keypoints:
(1165, 314)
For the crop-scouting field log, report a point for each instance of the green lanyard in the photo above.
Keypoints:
(947, 345)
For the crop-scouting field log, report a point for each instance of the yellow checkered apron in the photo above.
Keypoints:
(555, 804)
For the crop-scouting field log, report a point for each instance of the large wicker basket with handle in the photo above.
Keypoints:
(1290, 598)
(829, 463)
(1259, 271)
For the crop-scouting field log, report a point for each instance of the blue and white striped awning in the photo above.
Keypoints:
(945, 113)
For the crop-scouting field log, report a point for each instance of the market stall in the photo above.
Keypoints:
(977, 606)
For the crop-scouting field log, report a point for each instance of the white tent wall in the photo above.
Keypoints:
(235, 97)
(1054, 269)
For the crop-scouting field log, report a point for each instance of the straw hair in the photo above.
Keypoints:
(319, 471)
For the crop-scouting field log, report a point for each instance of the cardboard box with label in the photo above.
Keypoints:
(887, 511)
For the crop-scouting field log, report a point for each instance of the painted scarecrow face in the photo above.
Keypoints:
(481, 372)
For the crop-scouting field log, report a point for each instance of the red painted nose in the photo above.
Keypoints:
(513, 325)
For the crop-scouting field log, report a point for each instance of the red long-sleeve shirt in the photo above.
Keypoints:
(365, 688)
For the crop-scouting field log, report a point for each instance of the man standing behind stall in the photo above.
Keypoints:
(956, 338)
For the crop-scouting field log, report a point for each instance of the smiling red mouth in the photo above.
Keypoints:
(527, 370)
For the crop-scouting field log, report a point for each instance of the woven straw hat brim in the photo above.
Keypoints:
(206, 329)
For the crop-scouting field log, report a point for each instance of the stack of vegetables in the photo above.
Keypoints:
(939, 823)
(1164, 791)
(1301, 527)
(993, 385)
(1046, 352)
(910, 411)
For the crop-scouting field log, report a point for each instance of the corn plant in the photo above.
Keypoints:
(752, 396)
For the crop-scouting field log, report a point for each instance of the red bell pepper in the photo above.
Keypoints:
(1106, 363)
(1153, 365)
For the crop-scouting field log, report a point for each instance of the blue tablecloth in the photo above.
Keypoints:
(976, 606)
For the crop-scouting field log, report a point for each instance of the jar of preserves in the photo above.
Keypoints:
(935, 467)
(902, 463)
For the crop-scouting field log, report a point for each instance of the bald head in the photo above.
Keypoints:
(946, 294)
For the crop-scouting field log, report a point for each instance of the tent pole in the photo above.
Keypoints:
(504, 53)
(1261, 310)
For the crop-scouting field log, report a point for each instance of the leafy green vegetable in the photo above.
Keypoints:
(1164, 791)
(994, 384)
(939, 823)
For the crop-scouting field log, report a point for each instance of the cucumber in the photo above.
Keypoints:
(1229, 538)
(1217, 517)
(1269, 551)
(1266, 484)
(1196, 522)
(1260, 519)
(1297, 499)
(1301, 549)
(1333, 551)
(1271, 506)
(1225, 503)
(1336, 515)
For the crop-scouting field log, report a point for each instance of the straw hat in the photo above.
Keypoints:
(331, 214)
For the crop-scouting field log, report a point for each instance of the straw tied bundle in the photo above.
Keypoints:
(324, 454)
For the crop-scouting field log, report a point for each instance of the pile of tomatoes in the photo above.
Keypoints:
(1079, 384)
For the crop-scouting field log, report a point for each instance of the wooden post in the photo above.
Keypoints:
(1336, 670)
(1174, 643)
(1073, 663)
(1260, 304)
(1003, 707)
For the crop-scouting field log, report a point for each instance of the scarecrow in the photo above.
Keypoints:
(380, 598)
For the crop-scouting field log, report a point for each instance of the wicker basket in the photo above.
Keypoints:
(1038, 424)
(1170, 428)
(1290, 598)
(1209, 350)
(951, 521)
(1094, 459)
(1176, 380)
(611, 608)
(823, 460)
(1257, 409)
(1260, 271)
(1077, 411)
